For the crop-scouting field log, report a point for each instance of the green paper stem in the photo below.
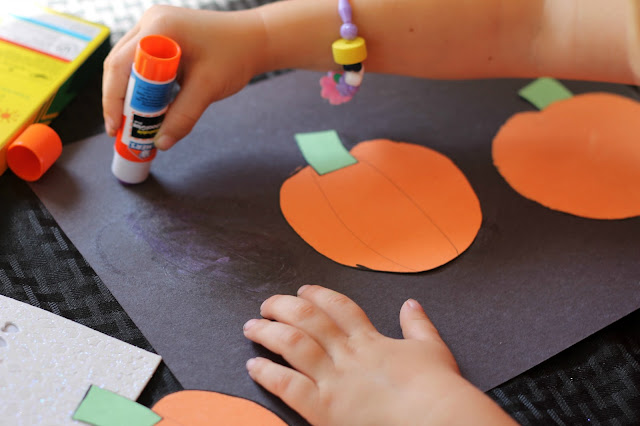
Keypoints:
(101, 407)
(324, 151)
(544, 91)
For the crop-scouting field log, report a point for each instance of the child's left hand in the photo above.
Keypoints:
(345, 372)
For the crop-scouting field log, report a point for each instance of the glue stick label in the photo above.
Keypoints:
(145, 127)
(149, 96)
(145, 107)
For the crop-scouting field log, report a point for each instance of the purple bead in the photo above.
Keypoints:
(344, 9)
(348, 31)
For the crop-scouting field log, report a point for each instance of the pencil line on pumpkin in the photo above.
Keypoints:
(425, 214)
(315, 180)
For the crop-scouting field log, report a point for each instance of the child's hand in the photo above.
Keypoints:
(221, 51)
(345, 372)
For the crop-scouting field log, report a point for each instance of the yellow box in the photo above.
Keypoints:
(45, 58)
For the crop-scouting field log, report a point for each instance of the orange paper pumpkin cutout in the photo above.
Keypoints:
(400, 208)
(579, 156)
(203, 408)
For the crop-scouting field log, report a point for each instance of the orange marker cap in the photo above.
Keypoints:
(34, 151)
(157, 58)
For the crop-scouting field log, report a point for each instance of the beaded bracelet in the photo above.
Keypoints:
(349, 51)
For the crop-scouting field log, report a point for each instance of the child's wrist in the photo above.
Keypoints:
(257, 54)
(299, 34)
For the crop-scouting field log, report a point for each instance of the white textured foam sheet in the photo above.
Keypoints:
(48, 362)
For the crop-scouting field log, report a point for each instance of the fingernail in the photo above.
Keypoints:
(251, 363)
(302, 289)
(247, 325)
(164, 142)
(412, 304)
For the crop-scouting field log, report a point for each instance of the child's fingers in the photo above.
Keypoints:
(342, 310)
(185, 111)
(305, 316)
(415, 324)
(117, 68)
(298, 349)
(292, 387)
(125, 38)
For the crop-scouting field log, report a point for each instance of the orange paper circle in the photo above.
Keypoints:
(578, 156)
(401, 208)
(204, 408)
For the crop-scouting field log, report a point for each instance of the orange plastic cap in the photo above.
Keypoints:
(157, 58)
(34, 151)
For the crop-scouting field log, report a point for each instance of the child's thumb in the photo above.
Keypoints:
(415, 324)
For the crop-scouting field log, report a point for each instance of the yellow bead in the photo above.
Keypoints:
(349, 52)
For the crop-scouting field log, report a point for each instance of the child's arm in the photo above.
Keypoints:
(578, 39)
(451, 39)
(345, 372)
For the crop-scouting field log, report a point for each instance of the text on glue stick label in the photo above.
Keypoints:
(145, 127)
(145, 106)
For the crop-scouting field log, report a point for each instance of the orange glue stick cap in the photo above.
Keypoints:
(34, 151)
(157, 58)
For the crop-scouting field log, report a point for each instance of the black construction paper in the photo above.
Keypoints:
(191, 253)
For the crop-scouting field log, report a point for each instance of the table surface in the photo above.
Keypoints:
(595, 381)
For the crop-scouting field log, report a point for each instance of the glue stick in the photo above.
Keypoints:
(148, 94)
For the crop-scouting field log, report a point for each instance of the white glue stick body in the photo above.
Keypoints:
(148, 94)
